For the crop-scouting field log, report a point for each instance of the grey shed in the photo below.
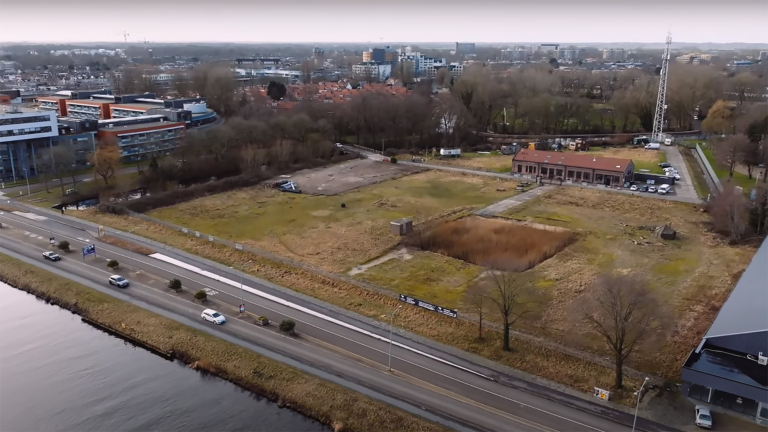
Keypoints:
(401, 226)
(665, 232)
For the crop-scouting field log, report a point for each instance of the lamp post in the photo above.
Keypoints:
(391, 325)
(638, 393)
(242, 269)
(26, 177)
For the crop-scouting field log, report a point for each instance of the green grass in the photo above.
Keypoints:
(428, 276)
(722, 172)
(652, 167)
(253, 214)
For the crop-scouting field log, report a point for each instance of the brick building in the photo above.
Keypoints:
(573, 167)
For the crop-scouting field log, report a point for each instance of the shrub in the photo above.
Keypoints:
(63, 245)
(262, 320)
(113, 264)
(201, 295)
(287, 325)
(393, 160)
(174, 284)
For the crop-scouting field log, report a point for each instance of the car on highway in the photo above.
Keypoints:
(118, 281)
(213, 316)
(703, 417)
(51, 256)
(652, 189)
(633, 188)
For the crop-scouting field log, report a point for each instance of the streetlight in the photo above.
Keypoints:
(638, 393)
(27, 177)
(391, 325)
(242, 269)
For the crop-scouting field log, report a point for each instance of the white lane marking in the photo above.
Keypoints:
(368, 346)
(32, 216)
(275, 299)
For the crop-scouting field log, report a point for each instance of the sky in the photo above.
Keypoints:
(377, 21)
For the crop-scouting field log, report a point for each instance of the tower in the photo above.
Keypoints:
(661, 100)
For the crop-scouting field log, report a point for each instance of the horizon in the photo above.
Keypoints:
(363, 22)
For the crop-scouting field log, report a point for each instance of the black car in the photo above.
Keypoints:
(665, 165)
(51, 256)
(643, 188)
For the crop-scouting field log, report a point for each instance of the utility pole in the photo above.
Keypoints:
(639, 394)
(661, 100)
(391, 325)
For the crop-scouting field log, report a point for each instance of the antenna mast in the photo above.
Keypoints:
(661, 100)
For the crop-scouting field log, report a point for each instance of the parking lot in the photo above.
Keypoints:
(684, 187)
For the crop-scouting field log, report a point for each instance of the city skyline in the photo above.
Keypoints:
(424, 21)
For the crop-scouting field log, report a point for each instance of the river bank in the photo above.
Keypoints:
(330, 404)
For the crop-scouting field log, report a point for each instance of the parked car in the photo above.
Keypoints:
(51, 256)
(633, 188)
(676, 176)
(213, 316)
(663, 189)
(118, 281)
(703, 417)
(643, 188)
(665, 165)
(652, 189)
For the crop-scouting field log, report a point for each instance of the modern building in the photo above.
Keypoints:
(571, 167)
(24, 132)
(763, 56)
(373, 70)
(729, 368)
(138, 137)
(549, 47)
(465, 48)
(515, 55)
(381, 55)
(568, 54)
(615, 54)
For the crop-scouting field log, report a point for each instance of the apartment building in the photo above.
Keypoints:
(382, 55)
(24, 132)
(373, 70)
(615, 54)
(515, 55)
(139, 137)
(568, 54)
(464, 48)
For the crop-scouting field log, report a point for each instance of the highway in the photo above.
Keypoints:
(466, 395)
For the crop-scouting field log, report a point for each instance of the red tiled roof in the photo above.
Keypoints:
(572, 160)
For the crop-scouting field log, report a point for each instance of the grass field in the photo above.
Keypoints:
(721, 171)
(317, 230)
(493, 161)
(692, 275)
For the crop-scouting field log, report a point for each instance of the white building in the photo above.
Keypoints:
(24, 133)
(380, 71)
(568, 54)
(515, 55)
(614, 54)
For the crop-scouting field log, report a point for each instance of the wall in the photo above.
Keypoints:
(710, 172)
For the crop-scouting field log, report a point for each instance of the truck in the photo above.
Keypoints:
(454, 152)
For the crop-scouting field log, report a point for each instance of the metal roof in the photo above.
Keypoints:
(572, 160)
(746, 310)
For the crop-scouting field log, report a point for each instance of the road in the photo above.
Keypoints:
(684, 187)
(453, 389)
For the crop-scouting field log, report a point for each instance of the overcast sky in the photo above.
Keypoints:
(375, 21)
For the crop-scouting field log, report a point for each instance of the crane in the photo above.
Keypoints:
(661, 100)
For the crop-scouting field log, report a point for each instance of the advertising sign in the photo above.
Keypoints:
(426, 305)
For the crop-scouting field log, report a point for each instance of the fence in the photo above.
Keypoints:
(708, 168)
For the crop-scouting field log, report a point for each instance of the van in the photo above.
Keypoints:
(663, 189)
(668, 141)
(652, 146)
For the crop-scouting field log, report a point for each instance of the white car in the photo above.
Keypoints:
(652, 189)
(118, 281)
(703, 417)
(633, 188)
(663, 189)
(213, 316)
(51, 256)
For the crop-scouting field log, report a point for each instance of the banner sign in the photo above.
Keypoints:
(434, 308)
(89, 250)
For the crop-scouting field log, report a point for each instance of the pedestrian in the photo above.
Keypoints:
(62, 210)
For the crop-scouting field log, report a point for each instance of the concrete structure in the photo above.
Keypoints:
(515, 55)
(573, 167)
(615, 55)
(374, 70)
(729, 368)
(465, 48)
(763, 56)
(381, 55)
(141, 136)
(401, 227)
(23, 133)
(568, 54)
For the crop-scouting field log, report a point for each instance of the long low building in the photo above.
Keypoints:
(573, 167)
(729, 368)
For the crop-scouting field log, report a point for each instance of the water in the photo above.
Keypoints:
(60, 374)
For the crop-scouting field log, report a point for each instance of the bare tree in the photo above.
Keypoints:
(730, 213)
(106, 158)
(478, 302)
(512, 293)
(728, 151)
(624, 313)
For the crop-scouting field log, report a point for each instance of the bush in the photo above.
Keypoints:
(393, 160)
(174, 284)
(63, 245)
(262, 320)
(113, 264)
(287, 326)
(201, 295)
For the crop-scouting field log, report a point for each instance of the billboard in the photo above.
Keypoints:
(426, 305)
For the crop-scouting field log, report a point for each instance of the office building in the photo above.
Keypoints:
(763, 56)
(465, 48)
(139, 137)
(515, 55)
(568, 54)
(380, 55)
(24, 133)
(372, 70)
